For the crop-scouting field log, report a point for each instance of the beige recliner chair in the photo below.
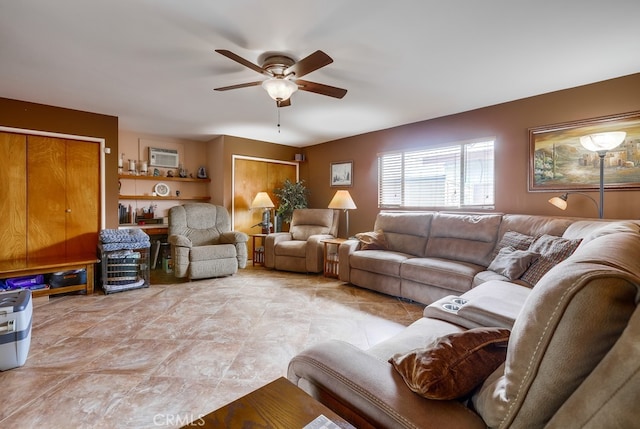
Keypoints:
(202, 243)
(300, 249)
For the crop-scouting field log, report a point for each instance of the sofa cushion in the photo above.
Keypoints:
(212, 252)
(405, 232)
(512, 263)
(378, 261)
(455, 364)
(469, 237)
(591, 229)
(372, 240)
(291, 248)
(444, 273)
(569, 322)
(534, 225)
(552, 250)
(308, 222)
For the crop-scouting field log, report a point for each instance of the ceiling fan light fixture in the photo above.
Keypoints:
(279, 89)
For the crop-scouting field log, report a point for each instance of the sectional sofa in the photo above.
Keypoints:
(429, 255)
(493, 349)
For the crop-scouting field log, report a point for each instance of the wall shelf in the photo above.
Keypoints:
(163, 178)
(151, 197)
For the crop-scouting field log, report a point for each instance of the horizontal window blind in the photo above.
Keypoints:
(458, 175)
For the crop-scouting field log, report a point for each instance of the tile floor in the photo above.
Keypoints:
(162, 356)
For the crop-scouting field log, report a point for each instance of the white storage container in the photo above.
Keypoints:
(16, 310)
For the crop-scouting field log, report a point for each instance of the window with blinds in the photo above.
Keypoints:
(456, 176)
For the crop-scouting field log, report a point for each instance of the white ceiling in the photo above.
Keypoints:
(152, 62)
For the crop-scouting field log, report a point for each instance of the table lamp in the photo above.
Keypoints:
(342, 200)
(262, 201)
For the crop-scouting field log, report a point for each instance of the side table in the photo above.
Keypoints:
(331, 247)
(258, 251)
(278, 405)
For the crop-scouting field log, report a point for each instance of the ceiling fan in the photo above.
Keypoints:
(284, 76)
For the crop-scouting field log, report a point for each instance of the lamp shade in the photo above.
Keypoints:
(342, 200)
(279, 89)
(560, 202)
(262, 201)
(602, 141)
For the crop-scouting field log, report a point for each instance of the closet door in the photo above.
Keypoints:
(46, 197)
(13, 197)
(63, 197)
(83, 197)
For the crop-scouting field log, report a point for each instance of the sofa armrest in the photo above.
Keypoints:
(369, 392)
(180, 248)
(233, 237)
(344, 252)
(315, 252)
(180, 240)
(270, 242)
(239, 240)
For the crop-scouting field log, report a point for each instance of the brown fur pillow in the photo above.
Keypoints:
(372, 240)
(454, 365)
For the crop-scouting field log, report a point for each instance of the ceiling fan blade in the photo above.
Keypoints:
(308, 64)
(242, 61)
(320, 88)
(284, 103)
(240, 85)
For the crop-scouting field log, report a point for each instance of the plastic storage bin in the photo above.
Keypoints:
(16, 311)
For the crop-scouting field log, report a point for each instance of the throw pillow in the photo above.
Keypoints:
(514, 239)
(373, 240)
(512, 263)
(552, 250)
(455, 364)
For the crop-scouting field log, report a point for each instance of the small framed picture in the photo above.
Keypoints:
(341, 173)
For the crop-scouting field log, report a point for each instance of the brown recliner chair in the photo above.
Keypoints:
(300, 249)
(202, 243)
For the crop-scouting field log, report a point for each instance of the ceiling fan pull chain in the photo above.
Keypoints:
(278, 119)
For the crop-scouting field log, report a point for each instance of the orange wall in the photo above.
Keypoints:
(509, 123)
(40, 117)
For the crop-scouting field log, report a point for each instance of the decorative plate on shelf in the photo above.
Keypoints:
(162, 189)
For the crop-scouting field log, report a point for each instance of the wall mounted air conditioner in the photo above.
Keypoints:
(163, 157)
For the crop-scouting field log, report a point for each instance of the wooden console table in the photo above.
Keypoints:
(278, 405)
(28, 267)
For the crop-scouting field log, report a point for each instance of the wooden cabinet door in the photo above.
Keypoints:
(46, 217)
(63, 195)
(13, 197)
(82, 197)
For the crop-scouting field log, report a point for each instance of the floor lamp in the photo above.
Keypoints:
(342, 200)
(600, 143)
(262, 201)
(561, 201)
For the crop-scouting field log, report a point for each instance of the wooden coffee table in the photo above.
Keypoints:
(278, 405)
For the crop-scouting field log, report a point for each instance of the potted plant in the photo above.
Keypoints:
(292, 195)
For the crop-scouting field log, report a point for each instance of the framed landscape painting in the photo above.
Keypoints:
(557, 160)
(341, 173)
